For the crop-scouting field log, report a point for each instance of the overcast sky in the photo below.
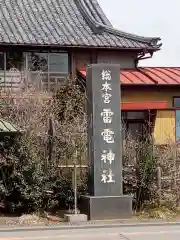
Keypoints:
(156, 18)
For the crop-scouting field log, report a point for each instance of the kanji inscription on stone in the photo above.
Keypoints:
(104, 135)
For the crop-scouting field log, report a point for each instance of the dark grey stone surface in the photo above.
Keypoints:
(105, 200)
(106, 207)
(97, 145)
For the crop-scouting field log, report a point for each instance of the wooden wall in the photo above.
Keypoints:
(165, 120)
(164, 128)
(81, 58)
(150, 95)
(126, 60)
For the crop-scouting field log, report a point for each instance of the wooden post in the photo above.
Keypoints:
(159, 182)
(75, 182)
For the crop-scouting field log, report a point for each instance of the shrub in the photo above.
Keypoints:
(140, 170)
(33, 176)
(53, 127)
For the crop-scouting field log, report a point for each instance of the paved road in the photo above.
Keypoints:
(120, 233)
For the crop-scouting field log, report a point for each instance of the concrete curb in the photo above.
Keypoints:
(87, 226)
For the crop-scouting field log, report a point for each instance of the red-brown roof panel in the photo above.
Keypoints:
(125, 79)
(162, 76)
(144, 79)
(131, 76)
(149, 76)
(173, 74)
(153, 76)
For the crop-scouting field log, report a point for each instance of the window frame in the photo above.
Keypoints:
(130, 121)
(124, 115)
(173, 102)
(48, 57)
(56, 53)
(23, 63)
(3, 60)
(176, 108)
(26, 71)
(27, 62)
(176, 130)
(62, 75)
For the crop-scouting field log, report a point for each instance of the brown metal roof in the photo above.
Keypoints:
(149, 76)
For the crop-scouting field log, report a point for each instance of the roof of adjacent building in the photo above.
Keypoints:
(77, 23)
(7, 127)
(149, 76)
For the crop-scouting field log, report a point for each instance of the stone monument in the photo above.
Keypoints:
(105, 199)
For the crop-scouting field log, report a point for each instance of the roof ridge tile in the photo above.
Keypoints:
(100, 26)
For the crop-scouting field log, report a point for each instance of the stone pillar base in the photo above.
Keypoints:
(75, 218)
(106, 207)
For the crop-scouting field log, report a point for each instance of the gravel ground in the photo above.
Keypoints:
(34, 220)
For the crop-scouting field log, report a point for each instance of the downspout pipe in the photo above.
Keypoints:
(142, 57)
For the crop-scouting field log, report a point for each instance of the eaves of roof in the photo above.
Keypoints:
(64, 23)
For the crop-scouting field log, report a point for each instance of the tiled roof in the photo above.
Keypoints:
(78, 23)
(149, 76)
